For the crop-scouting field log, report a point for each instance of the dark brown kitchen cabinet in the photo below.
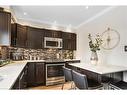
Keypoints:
(26, 37)
(40, 73)
(36, 74)
(1, 9)
(69, 41)
(5, 28)
(31, 74)
(53, 33)
(19, 35)
(31, 37)
(35, 38)
(67, 35)
(21, 82)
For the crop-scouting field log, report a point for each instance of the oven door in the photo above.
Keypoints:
(54, 70)
(54, 73)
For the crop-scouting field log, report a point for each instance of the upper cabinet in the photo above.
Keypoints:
(53, 33)
(31, 37)
(69, 41)
(35, 38)
(66, 35)
(26, 37)
(18, 35)
(5, 28)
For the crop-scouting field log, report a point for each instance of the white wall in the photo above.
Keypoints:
(117, 19)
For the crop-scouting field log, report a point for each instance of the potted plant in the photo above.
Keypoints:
(94, 47)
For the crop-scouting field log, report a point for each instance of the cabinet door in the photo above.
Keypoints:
(69, 41)
(40, 73)
(21, 80)
(13, 34)
(53, 33)
(18, 35)
(30, 38)
(35, 38)
(48, 33)
(56, 34)
(69, 44)
(21, 36)
(5, 28)
(36, 74)
(31, 74)
(38, 39)
(73, 41)
(73, 44)
(66, 35)
(66, 44)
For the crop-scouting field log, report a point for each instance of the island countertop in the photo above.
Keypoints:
(100, 69)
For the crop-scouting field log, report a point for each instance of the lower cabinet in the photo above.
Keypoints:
(40, 73)
(21, 82)
(32, 75)
(36, 74)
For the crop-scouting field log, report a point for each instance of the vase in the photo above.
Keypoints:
(94, 58)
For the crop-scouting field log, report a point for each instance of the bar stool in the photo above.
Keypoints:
(105, 80)
(68, 76)
(81, 81)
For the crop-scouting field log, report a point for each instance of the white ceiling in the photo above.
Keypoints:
(63, 15)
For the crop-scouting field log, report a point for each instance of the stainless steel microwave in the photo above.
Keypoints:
(50, 42)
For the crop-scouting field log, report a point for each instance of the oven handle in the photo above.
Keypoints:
(55, 64)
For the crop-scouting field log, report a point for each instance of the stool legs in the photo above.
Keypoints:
(72, 85)
(62, 86)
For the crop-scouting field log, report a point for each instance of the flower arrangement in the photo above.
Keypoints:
(95, 45)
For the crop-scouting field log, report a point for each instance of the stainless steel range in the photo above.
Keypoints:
(54, 73)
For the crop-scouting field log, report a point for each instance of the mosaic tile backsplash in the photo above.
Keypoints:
(40, 54)
(4, 53)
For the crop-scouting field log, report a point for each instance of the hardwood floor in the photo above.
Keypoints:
(53, 87)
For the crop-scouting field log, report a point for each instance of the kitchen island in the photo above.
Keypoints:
(103, 73)
(100, 69)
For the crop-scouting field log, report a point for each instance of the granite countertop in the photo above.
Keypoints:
(10, 72)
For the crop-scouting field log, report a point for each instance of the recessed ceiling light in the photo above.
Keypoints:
(25, 13)
(87, 7)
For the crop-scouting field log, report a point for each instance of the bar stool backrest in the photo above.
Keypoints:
(67, 74)
(80, 80)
